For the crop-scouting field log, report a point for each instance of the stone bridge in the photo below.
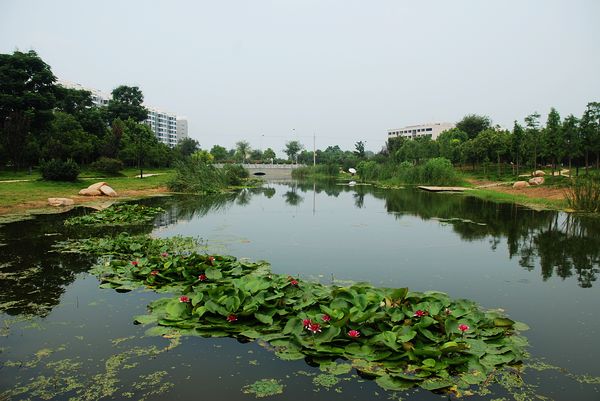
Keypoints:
(270, 171)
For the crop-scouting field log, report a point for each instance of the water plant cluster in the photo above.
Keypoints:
(120, 214)
(584, 194)
(398, 337)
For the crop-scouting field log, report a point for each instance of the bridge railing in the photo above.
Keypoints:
(267, 166)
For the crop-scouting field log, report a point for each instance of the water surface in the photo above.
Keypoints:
(539, 266)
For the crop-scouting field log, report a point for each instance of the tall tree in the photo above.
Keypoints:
(242, 150)
(359, 149)
(572, 139)
(473, 124)
(127, 103)
(590, 131)
(269, 155)
(450, 142)
(516, 144)
(137, 143)
(553, 139)
(187, 146)
(219, 153)
(532, 124)
(292, 148)
(27, 98)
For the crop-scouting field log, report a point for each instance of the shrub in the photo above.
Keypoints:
(197, 177)
(584, 194)
(438, 171)
(107, 165)
(58, 170)
(235, 174)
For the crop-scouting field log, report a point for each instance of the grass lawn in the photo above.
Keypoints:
(36, 189)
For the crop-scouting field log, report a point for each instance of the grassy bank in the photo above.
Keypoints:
(495, 196)
(31, 191)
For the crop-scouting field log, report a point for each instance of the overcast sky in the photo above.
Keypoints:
(344, 70)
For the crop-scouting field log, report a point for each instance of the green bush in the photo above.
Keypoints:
(59, 170)
(584, 194)
(320, 170)
(438, 171)
(235, 174)
(107, 165)
(197, 177)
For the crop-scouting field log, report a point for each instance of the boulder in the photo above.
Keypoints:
(90, 192)
(108, 191)
(96, 186)
(536, 181)
(538, 173)
(520, 184)
(60, 202)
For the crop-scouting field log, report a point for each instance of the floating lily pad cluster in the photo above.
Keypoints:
(398, 337)
(120, 214)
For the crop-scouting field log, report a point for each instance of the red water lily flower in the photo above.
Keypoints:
(448, 311)
(164, 254)
(231, 318)
(202, 277)
(420, 313)
(306, 323)
(183, 298)
(314, 328)
(211, 259)
(154, 272)
(354, 333)
(463, 327)
(134, 262)
(326, 318)
(294, 282)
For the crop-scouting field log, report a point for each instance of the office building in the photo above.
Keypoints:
(432, 130)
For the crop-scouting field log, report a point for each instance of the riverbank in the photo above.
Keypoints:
(23, 193)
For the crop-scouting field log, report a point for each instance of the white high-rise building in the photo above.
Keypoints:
(182, 128)
(167, 127)
(432, 130)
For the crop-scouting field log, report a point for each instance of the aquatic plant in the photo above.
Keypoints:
(584, 194)
(121, 214)
(398, 337)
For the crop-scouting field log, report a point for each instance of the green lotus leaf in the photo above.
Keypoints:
(503, 322)
(394, 383)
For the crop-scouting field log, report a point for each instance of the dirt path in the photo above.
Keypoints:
(541, 191)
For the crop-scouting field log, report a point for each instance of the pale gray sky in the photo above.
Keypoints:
(266, 71)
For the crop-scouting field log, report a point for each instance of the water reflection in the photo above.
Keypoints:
(564, 245)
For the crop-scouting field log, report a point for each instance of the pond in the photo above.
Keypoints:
(64, 338)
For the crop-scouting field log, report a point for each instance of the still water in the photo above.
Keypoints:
(63, 338)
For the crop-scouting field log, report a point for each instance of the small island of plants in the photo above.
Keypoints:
(397, 337)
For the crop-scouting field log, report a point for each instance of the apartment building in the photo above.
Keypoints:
(168, 127)
(432, 130)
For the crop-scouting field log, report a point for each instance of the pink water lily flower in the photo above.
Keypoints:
(154, 272)
(314, 328)
(354, 333)
(164, 254)
(463, 327)
(306, 323)
(420, 313)
(211, 259)
(231, 318)
(326, 318)
(294, 282)
(183, 298)
(202, 277)
(134, 262)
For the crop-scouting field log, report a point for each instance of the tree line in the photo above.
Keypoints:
(474, 141)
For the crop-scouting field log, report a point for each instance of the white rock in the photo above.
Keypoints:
(520, 184)
(536, 181)
(108, 191)
(90, 192)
